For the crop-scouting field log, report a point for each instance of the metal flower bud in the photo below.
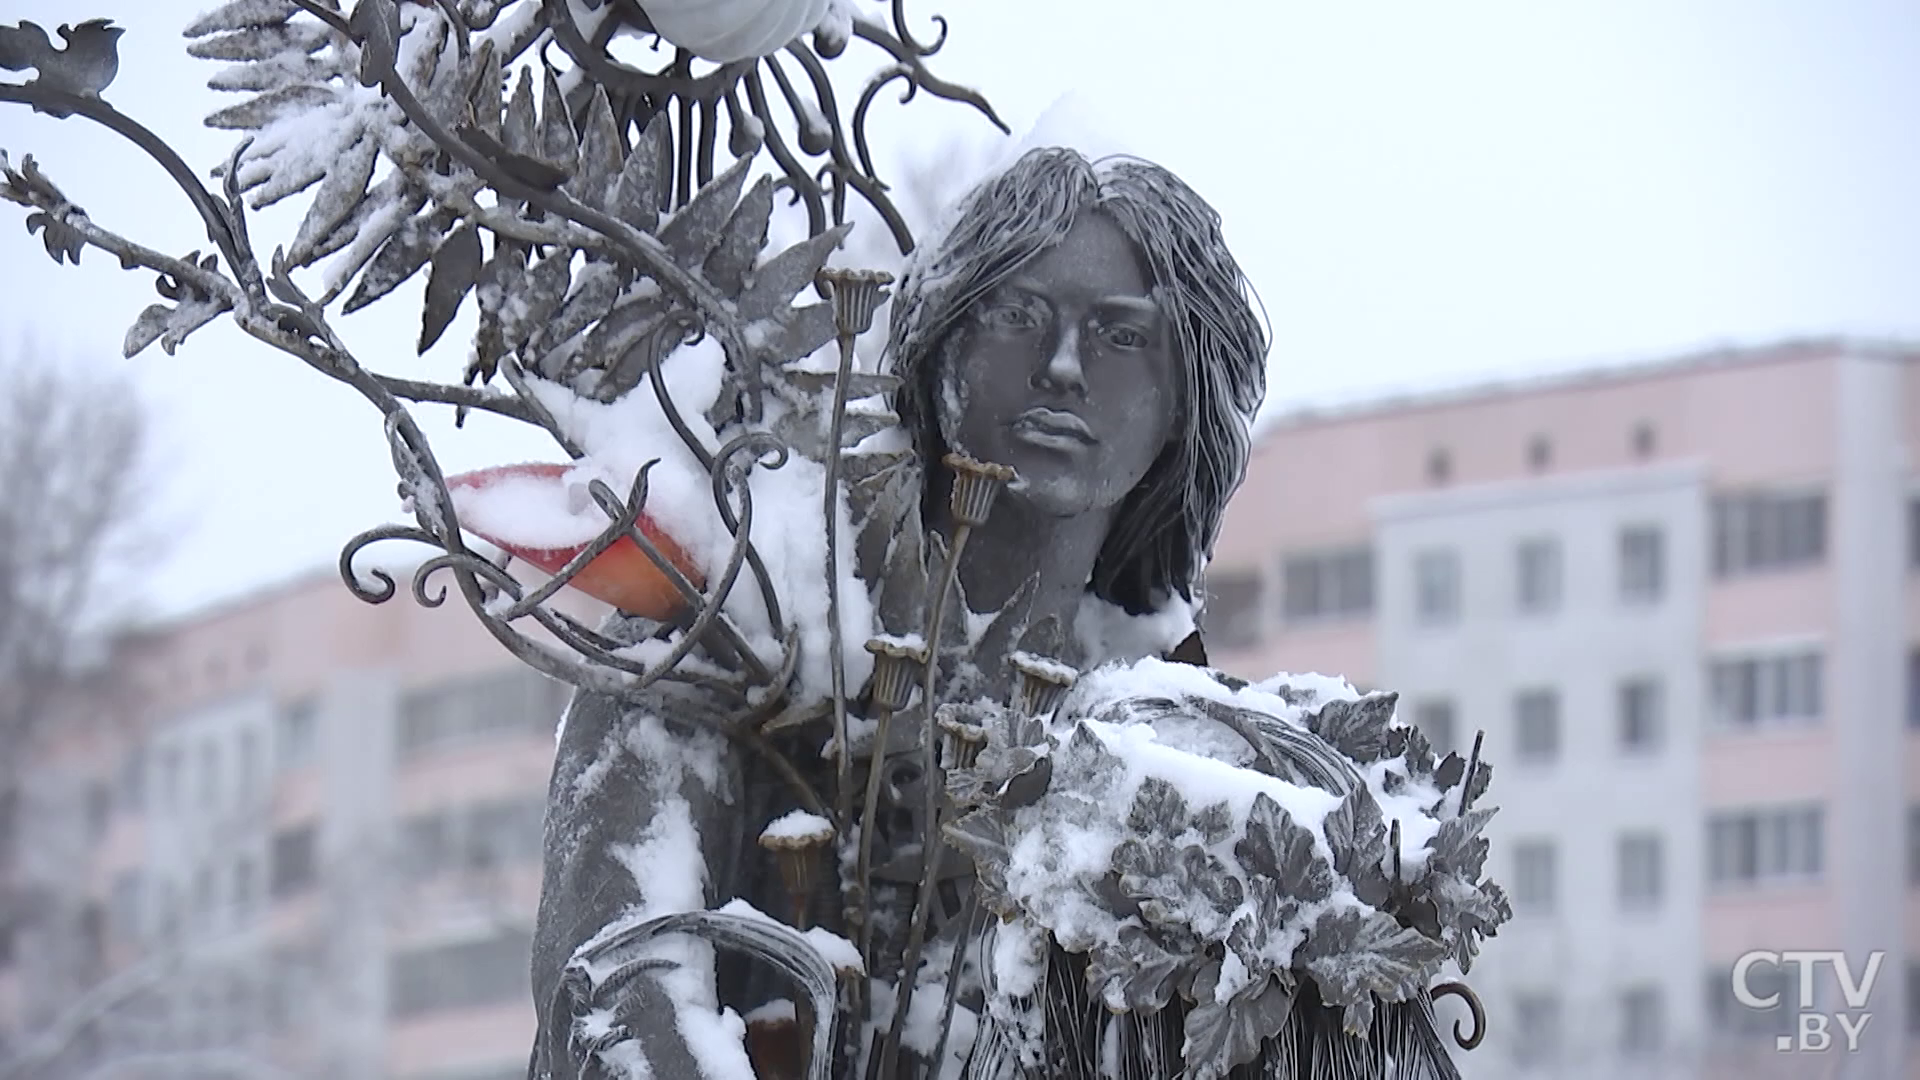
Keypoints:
(855, 295)
(897, 664)
(976, 484)
(964, 740)
(1043, 683)
(796, 850)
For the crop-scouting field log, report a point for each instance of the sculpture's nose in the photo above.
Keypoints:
(1065, 368)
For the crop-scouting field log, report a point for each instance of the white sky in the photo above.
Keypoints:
(1424, 192)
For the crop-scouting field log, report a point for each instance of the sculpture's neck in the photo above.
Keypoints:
(1019, 542)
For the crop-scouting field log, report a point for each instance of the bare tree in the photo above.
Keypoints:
(71, 510)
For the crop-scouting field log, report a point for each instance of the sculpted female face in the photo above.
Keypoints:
(1066, 373)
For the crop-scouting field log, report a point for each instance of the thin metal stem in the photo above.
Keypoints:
(931, 845)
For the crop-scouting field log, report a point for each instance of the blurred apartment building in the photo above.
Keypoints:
(1679, 599)
(1683, 603)
(308, 847)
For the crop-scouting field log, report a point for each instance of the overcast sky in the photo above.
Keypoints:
(1424, 192)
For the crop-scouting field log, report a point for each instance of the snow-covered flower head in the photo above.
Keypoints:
(1166, 526)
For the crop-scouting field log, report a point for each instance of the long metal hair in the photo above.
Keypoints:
(1167, 524)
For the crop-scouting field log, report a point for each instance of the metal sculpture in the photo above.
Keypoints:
(602, 242)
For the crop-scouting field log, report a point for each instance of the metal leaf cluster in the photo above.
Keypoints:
(1189, 885)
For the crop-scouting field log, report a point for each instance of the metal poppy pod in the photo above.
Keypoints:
(897, 666)
(796, 850)
(976, 484)
(964, 740)
(855, 295)
(724, 31)
(1043, 683)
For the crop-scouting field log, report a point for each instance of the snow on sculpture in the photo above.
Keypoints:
(901, 757)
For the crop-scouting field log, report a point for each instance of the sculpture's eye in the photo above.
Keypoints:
(1122, 336)
(1012, 316)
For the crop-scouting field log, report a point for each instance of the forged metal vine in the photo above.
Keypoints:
(619, 166)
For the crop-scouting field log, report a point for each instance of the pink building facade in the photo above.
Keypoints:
(1680, 600)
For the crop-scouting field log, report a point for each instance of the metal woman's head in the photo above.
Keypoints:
(1084, 323)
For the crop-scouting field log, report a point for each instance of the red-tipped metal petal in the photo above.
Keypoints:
(622, 575)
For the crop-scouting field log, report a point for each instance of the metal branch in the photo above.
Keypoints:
(219, 227)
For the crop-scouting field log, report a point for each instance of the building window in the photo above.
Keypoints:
(1643, 578)
(1641, 871)
(1535, 874)
(1767, 531)
(133, 780)
(1913, 997)
(1536, 1038)
(170, 768)
(505, 833)
(1537, 575)
(1536, 724)
(1913, 688)
(1643, 1029)
(510, 702)
(1913, 531)
(1327, 584)
(1231, 619)
(1439, 466)
(488, 971)
(1750, 848)
(1643, 440)
(1539, 453)
(1435, 719)
(246, 888)
(99, 809)
(7, 945)
(209, 774)
(296, 861)
(9, 827)
(1740, 1023)
(1642, 715)
(1913, 845)
(125, 905)
(247, 770)
(1784, 689)
(1436, 582)
(298, 739)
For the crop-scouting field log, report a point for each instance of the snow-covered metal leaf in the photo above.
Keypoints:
(558, 144)
(336, 199)
(781, 278)
(1458, 845)
(695, 229)
(1277, 848)
(258, 112)
(1135, 974)
(595, 288)
(1223, 1035)
(264, 42)
(982, 837)
(1357, 836)
(402, 256)
(1356, 954)
(455, 270)
(742, 239)
(1158, 809)
(519, 131)
(245, 15)
(1358, 729)
(598, 167)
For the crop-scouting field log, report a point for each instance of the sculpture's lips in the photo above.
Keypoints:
(1042, 421)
